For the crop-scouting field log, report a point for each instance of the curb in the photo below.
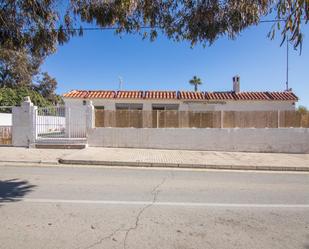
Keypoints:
(31, 162)
(176, 165)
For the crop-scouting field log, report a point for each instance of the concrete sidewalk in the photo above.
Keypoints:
(34, 156)
(155, 158)
(188, 159)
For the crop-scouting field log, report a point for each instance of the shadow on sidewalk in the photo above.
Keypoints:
(14, 189)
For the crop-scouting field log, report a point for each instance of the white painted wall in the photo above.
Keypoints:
(23, 129)
(109, 104)
(5, 119)
(282, 140)
(78, 118)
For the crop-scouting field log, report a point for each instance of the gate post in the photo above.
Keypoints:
(24, 124)
(90, 116)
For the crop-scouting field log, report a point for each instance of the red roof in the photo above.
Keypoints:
(75, 94)
(191, 95)
(90, 94)
(183, 95)
(160, 95)
(129, 95)
(220, 95)
(284, 96)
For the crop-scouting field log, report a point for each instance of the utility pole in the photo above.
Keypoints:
(120, 83)
(287, 64)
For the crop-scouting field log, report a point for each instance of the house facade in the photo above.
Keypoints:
(234, 100)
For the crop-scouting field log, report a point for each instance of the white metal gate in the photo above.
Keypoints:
(58, 122)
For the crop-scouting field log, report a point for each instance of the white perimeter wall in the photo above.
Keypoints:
(284, 140)
(5, 119)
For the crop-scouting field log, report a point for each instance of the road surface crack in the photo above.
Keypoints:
(155, 192)
(104, 238)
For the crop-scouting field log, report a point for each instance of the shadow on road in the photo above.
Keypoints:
(14, 189)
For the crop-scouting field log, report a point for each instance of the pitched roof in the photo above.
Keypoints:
(185, 95)
(129, 95)
(191, 95)
(76, 94)
(284, 96)
(90, 94)
(160, 95)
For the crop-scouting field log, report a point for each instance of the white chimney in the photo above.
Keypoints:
(236, 84)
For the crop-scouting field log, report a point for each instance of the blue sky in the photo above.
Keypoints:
(96, 60)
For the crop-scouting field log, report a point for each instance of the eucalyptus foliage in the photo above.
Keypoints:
(39, 25)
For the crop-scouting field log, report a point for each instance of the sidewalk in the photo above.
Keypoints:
(156, 158)
(25, 155)
(188, 159)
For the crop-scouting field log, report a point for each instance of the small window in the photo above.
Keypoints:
(158, 108)
(99, 107)
(165, 107)
(129, 106)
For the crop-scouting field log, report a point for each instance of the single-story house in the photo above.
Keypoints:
(234, 100)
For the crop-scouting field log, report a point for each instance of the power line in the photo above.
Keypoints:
(272, 21)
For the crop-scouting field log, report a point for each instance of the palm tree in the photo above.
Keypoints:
(195, 81)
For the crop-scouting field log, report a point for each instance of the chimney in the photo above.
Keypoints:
(236, 84)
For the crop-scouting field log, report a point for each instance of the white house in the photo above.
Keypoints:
(235, 100)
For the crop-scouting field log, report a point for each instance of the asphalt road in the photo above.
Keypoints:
(89, 207)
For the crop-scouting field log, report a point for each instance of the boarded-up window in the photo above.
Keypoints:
(99, 116)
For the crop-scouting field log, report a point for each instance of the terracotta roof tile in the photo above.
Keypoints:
(282, 95)
(219, 95)
(160, 95)
(75, 94)
(254, 96)
(101, 94)
(129, 95)
(183, 95)
(251, 96)
(191, 95)
(90, 94)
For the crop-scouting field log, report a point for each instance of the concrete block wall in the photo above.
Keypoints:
(282, 140)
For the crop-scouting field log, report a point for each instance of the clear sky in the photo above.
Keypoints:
(96, 60)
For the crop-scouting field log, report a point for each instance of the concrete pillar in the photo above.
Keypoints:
(110, 114)
(90, 115)
(24, 124)
(147, 115)
(184, 115)
(76, 120)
